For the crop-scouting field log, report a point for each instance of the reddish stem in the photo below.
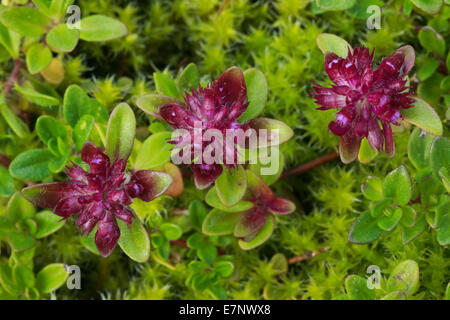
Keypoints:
(12, 77)
(180, 242)
(311, 165)
(4, 161)
(307, 255)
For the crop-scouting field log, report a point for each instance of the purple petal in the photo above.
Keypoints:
(230, 87)
(205, 175)
(98, 161)
(48, 195)
(281, 206)
(409, 60)
(123, 213)
(342, 72)
(328, 98)
(119, 197)
(375, 136)
(362, 58)
(91, 214)
(389, 146)
(148, 184)
(178, 117)
(249, 223)
(68, 206)
(257, 188)
(342, 123)
(107, 235)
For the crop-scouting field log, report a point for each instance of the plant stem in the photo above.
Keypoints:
(12, 77)
(4, 161)
(311, 165)
(307, 255)
(180, 242)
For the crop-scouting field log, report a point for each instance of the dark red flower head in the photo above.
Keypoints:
(365, 98)
(265, 205)
(218, 106)
(100, 195)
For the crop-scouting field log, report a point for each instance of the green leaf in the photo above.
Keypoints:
(447, 292)
(279, 263)
(430, 89)
(23, 277)
(212, 198)
(47, 223)
(432, 41)
(75, 105)
(372, 188)
(207, 253)
(120, 133)
(360, 9)
(404, 277)
(395, 295)
(397, 186)
(428, 67)
(15, 123)
(171, 231)
(62, 39)
(134, 240)
(440, 154)
(277, 132)
(389, 222)
(366, 154)
(154, 152)
(429, 6)
(10, 40)
(20, 241)
(196, 241)
(224, 268)
(38, 58)
(59, 7)
(262, 236)
(6, 280)
(37, 97)
(423, 116)
(48, 127)
(419, 147)
(188, 78)
(89, 242)
(101, 28)
(444, 174)
(364, 229)
(82, 130)
(357, 288)
(443, 222)
(31, 165)
(19, 208)
(257, 90)
(335, 4)
(6, 183)
(165, 85)
(218, 222)
(231, 185)
(197, 213)
(27, 21)
(268, 168)
(151, 102)
(51, 277)
(328, 42)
